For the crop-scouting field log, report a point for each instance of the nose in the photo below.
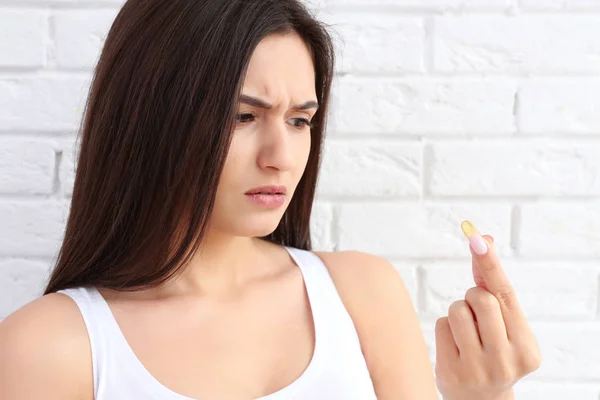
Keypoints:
(276, 147)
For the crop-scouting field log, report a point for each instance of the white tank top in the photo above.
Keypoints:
(337, 369)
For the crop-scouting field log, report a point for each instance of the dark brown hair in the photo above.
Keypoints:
(156, 131)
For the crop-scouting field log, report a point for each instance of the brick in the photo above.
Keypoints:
(421, 230)
(21, 281)
(80, 36)
(570, 350)
(26, 165)
(42, 103)
(441, 5)
(533, 390)
(560, 107)
(371, 169)
(320, 226)
(567, 290)
(32, 228)
(418, 106)
(68, 164)
(514, 168)
(24, 38)
(559, 5)
(550, 229)
(378, 43)
(554, 43)
(315, 6)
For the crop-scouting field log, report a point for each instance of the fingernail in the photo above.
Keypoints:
(478, 244)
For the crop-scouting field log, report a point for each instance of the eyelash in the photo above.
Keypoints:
(306, 121)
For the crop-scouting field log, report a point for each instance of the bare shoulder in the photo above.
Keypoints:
(366, 281)
(45, 352)
(386, 321)
(358, 271)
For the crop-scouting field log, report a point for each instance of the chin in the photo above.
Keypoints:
(262, 231)
(255, 227)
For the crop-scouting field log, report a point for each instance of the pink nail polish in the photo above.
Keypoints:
(478, 244)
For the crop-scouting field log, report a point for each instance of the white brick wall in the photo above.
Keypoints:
(443, 110)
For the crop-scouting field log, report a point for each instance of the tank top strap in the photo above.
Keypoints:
(91, 311)
(113, 360)
(330, 316)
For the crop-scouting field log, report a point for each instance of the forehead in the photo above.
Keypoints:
(280, 67)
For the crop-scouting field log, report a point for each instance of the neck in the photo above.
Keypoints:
(222, 266)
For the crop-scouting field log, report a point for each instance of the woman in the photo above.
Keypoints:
(186, 271)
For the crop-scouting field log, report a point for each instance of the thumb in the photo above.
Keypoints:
(477, 277)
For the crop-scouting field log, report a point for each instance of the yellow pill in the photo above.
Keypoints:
(468, 229)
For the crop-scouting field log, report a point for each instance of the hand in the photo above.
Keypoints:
(485, 345)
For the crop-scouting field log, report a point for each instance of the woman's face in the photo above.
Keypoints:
(269, 146)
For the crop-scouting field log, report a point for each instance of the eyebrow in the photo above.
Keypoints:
(255, 102)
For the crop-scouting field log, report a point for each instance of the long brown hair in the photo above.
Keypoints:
(156, 131)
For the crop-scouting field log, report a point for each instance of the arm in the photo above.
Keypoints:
(388, 327)
(45, 352)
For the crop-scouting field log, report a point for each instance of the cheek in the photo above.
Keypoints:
(302, 150)
(231, 166)
(306, 148)
(237, 154)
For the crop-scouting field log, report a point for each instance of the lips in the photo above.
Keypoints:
(271, 189)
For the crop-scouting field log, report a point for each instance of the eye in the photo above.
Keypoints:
(242, 118)
(299, 123)
(304, 122)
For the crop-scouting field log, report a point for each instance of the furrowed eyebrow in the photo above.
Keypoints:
(255, 102)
